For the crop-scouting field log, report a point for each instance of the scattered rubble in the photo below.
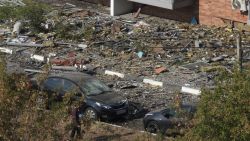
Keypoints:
(170, 53)
(11, 2)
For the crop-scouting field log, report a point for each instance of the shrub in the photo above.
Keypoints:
(22, 111)
(224, 113)
(33, 12)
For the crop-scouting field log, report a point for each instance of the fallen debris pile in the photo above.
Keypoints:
(133, 55)
(11, 3)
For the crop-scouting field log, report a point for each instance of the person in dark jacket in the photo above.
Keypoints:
(75, 122)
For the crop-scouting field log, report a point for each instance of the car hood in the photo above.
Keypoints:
(107, 98)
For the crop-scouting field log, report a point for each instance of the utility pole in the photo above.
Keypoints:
(239, 51)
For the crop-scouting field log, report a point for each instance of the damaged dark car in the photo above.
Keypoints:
(162, 120)
(100, 102)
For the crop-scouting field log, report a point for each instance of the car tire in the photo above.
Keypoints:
(152, 127)
(91, 113)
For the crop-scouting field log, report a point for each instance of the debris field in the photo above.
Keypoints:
(149, 60)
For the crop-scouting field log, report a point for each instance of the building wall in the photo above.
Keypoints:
(219, 12)
(183, 14)
(207, 12)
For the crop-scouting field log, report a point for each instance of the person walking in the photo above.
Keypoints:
(75, 122)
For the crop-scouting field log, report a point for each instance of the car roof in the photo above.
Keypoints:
(77, 77)
(187, 107)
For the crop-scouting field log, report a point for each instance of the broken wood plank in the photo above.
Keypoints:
(32, 70)
(6, 50)
(153, 82)
(114, 73)
(190, 91)
(38, 57)
(24, 44)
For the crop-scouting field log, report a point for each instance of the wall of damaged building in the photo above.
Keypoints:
(207, 12)
(219, 12)
(183, 14)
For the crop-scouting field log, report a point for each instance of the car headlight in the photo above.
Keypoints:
(103, 105)
(106, 106)
(148, 114)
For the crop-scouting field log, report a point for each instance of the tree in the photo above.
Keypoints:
(224, 113)
(23, 115)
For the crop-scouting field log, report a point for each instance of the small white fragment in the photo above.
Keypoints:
(83, 46)
(38, 57)
(6, 50)
(83, 67)
(52, 54)
(114, 73)
(153, 82)
(190, 91)
(17, 28)
(31, 70)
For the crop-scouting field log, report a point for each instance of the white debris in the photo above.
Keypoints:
(82, 46)
(114, 73)
(82, 67)
(38, 57)
(153, 82)
(52, 54)
(32, 70)
(6, 50)
(17, 28)
(141, 24)
(190, 91)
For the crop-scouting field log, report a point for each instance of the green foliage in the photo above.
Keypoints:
(68, 32)
(224, 113)
(88, 33)
(7, 12)
(10, 102)
(33, 12)
(22, 111)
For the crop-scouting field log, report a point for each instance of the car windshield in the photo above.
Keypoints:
(94, 87)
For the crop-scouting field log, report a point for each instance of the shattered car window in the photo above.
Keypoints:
(54, 84)
(168, 113)
(67, 85)
(95, 87)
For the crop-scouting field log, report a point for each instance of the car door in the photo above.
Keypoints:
(168, 120)
(75, 93)
(71, 88)
(53, 85)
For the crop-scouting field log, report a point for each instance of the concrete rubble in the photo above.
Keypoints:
(127, 52)
(11, 2)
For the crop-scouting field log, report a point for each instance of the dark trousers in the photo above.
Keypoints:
(76, 129)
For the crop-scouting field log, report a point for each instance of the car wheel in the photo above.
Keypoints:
(91, 113)
(152, 127)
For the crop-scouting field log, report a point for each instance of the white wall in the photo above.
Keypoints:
(119, 7)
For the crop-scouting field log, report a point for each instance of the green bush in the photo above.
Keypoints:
(33, 12)
(22, 111)
(68, 32)
(224, 113)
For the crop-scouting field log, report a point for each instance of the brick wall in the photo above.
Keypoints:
(182, 14)
(207, 12)
(219, 12)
